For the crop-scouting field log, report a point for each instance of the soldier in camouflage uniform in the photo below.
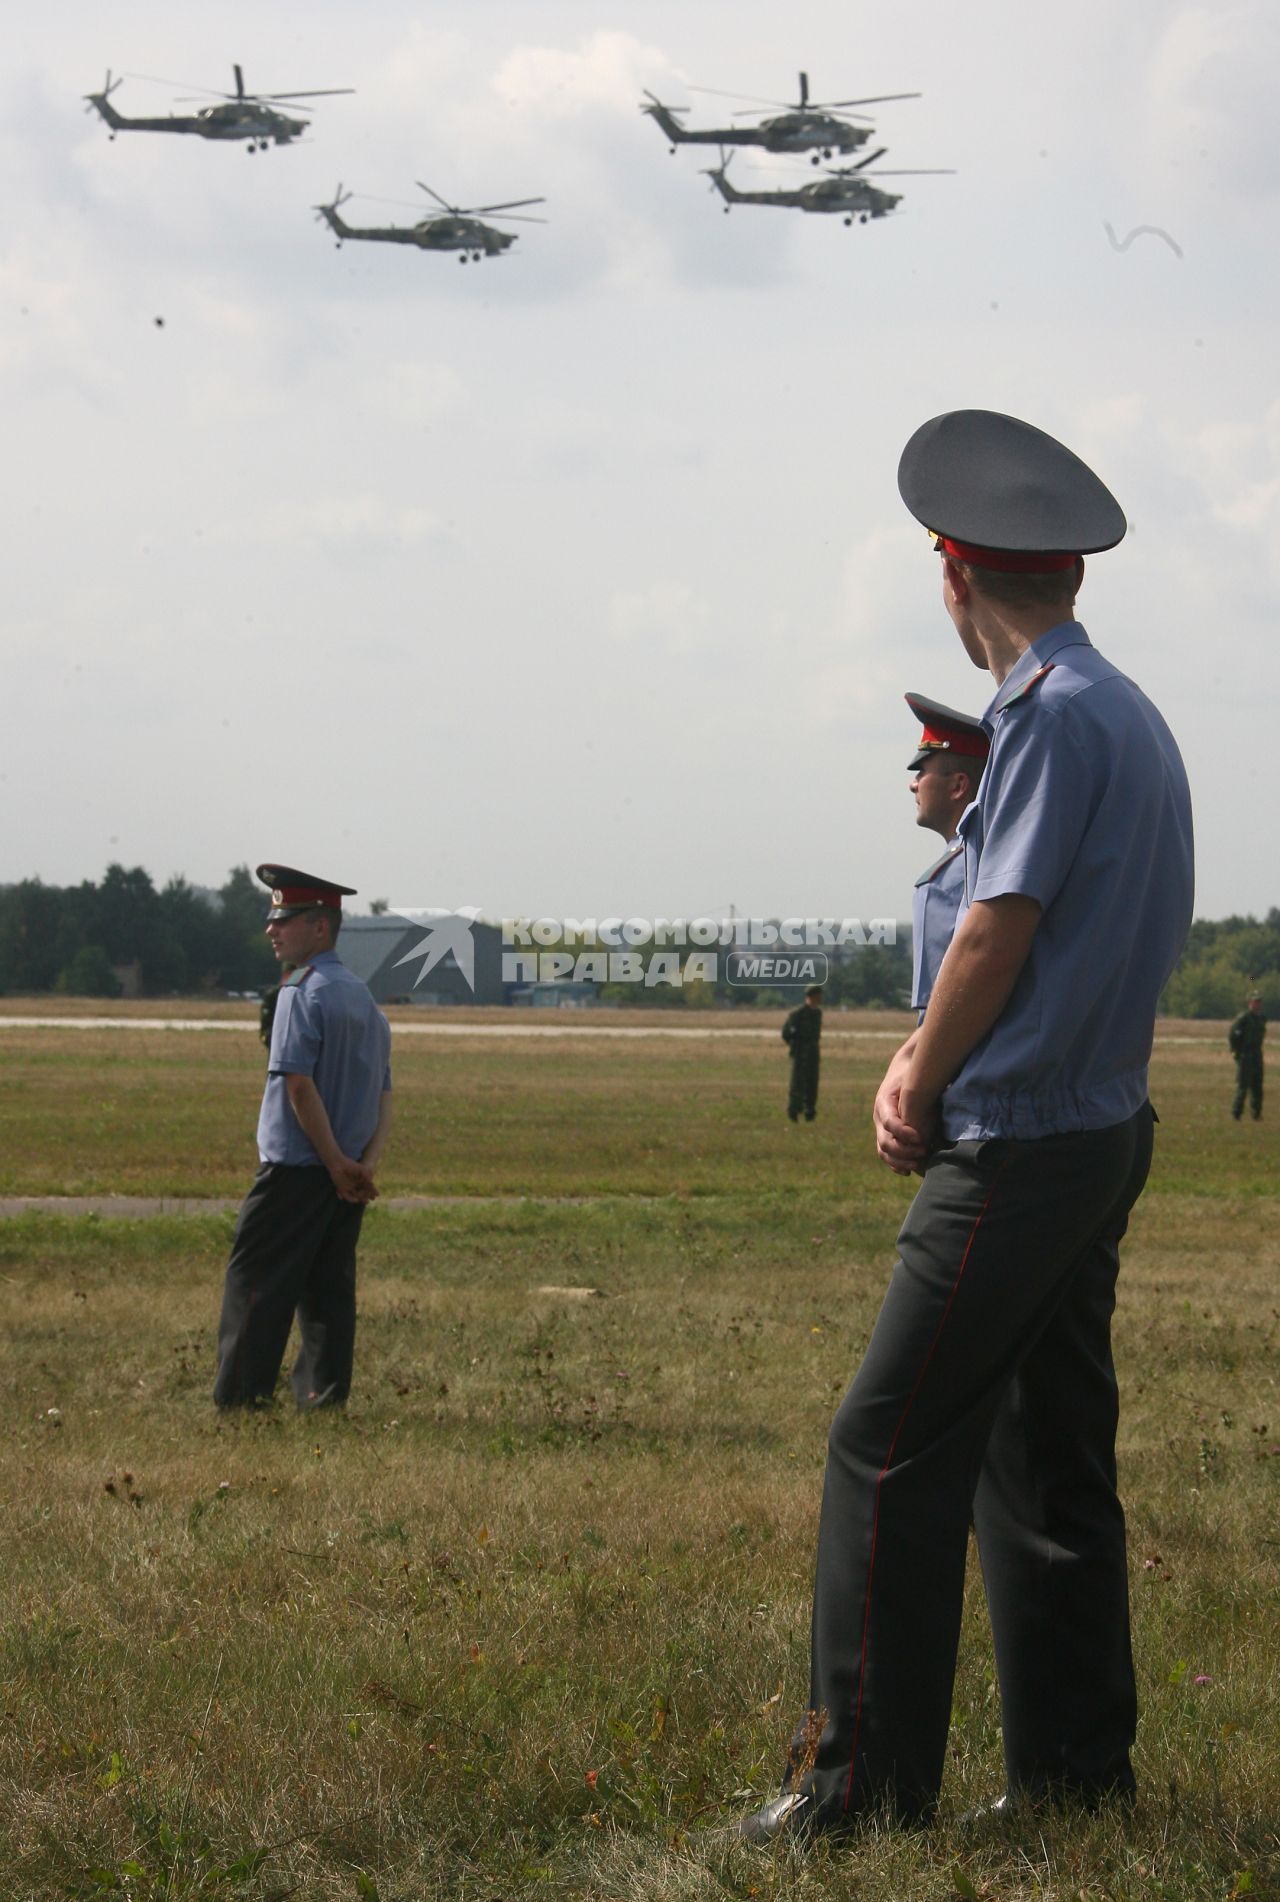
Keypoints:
(1245, 1041)
(801, 1034)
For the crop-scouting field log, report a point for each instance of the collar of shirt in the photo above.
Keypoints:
(325, 957)
(1038, 655)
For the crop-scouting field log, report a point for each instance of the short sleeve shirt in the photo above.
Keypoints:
(1084, 806)
(934, 904)
(327, 1027)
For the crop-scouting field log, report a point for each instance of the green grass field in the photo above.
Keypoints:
(531, 1619)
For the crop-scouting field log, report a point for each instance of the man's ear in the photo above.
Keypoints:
(955, 581)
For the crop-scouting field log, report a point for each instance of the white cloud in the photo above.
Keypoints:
(608, 70)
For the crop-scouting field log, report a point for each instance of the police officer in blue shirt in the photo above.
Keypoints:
(945, 773)
(326, 1113)
(988, 1389)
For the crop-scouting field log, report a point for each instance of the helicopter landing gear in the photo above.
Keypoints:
(849, 220)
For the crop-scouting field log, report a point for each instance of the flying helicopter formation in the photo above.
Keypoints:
(820, 130)
(260, 119)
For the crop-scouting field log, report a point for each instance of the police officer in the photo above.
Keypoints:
(946, 770)
(987, 1389)
(1245, 1039)
(325, 1116)
(802, 1034)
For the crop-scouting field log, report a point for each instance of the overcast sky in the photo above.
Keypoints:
(577, 581)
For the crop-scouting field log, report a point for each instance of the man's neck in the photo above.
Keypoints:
(1005, 637)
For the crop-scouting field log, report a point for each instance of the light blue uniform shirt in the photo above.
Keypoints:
(1083, 806)
(934, 903)
(327, 1027)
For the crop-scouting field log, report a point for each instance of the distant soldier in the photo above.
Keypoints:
(1245, 1039)
(326, 1111)
(801, 1034)
(947, 766)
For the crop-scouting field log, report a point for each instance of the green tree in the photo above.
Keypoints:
(29, 919)
(89, 974)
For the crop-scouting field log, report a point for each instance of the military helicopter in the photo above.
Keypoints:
(245, 115)
(844, 190)
(452, 228)
(821, 130)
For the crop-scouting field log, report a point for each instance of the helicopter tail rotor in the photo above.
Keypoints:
(675, 111)
(109, 85)
(339, 199)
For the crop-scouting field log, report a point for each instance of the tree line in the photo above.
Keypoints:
(1224, 960)
(78, 939)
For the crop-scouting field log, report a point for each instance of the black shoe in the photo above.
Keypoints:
(809, 1115)
(793, 1116)
(787, 1819)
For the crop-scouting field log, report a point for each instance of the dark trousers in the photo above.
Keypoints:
(803, 1096)
(294, 1249)
(987, 1392)
(1248, 1083)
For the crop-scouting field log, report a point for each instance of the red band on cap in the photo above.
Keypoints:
(1004, 560)
(956, 740)
(307, 895)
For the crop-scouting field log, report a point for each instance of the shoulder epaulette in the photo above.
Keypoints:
(1021, 692)
(297, 977)
(927, 877)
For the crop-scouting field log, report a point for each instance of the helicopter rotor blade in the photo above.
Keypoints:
(804, 91)
(848, 171)
(404, 204)
(516, 218)
(917, 171)
(878, 99)
(717, 92)
(453, 210)
(239, 81)
(315, 92)
(156, 79)
(508, 204)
